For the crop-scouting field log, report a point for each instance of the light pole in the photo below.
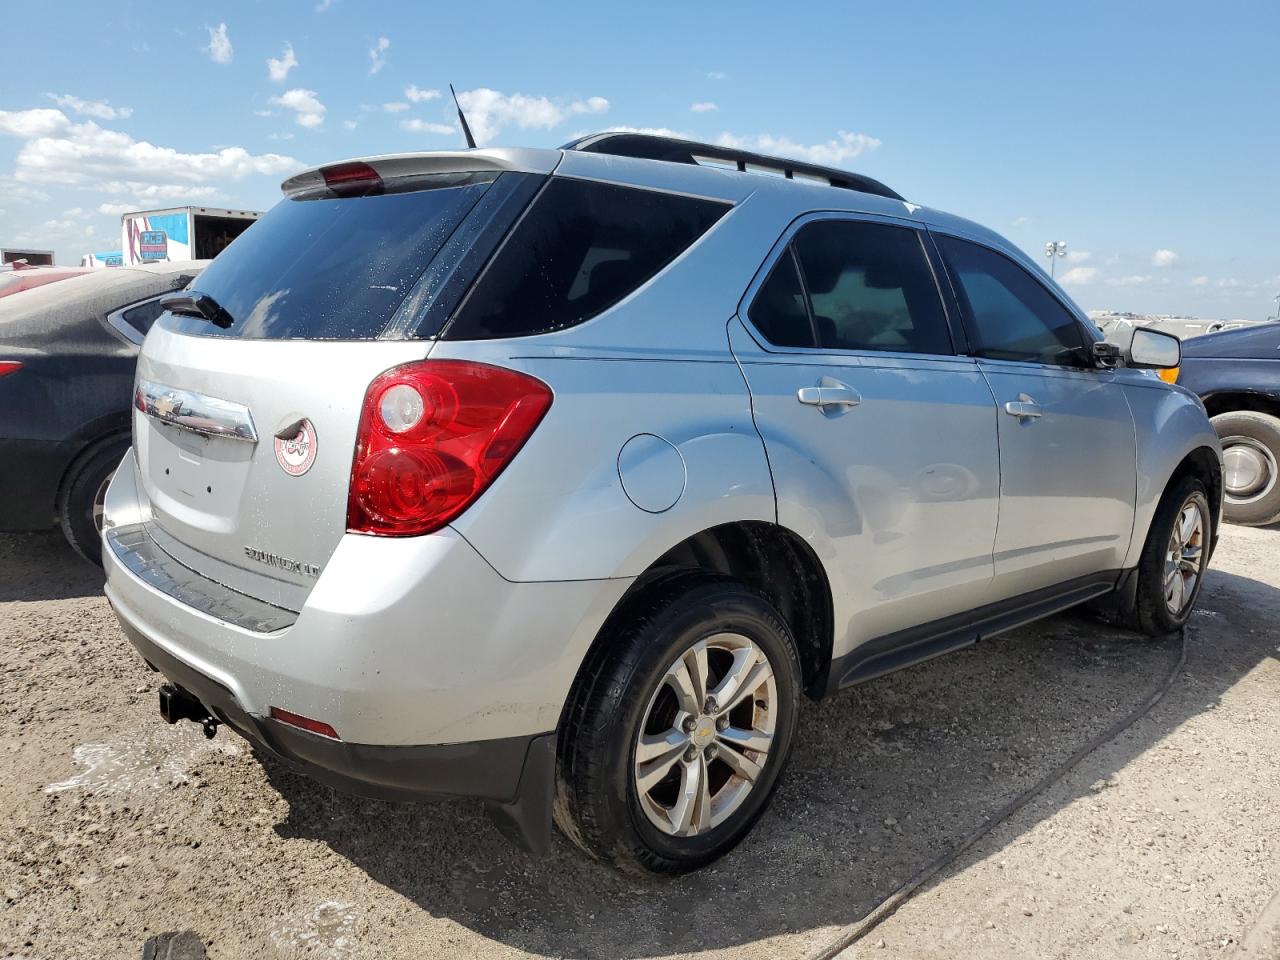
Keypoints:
(1053, 251)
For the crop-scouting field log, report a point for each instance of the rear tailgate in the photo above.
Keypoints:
(249, 498)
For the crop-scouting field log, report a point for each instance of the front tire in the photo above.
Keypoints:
(80, 502)
(1174, 559)
(678, 728)
(1250, 466)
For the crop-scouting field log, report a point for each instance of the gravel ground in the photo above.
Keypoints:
(115, 827)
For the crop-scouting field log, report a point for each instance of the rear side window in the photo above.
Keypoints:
(329, 268)
(579, 249)
(1012, 315)
(142, 316)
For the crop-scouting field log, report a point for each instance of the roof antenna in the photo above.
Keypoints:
(466, 130)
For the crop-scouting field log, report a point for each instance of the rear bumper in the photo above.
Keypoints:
(485, 769)
(441, 678)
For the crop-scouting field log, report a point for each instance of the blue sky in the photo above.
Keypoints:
(1144, 135)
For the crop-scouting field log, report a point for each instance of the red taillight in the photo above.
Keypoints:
(355, 179)
(9, 366)
(433, 435)
(304, 723)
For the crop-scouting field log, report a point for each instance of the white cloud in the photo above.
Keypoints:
(100, 109)
(287, 135)
(415, 94)
(1079, 276)
(1228, 283)
(351, 124)
(57, 150)
(1020, 221)
(116, 209)
(716, 75)
(324, 5)
(378, 55)
(1079, 256)
(305, 104)
(264, 113)
(279, 69)
(395, 107)
(1132, 280)
(1164, 258)
(148, 194)
(845, 147)
(704, 106)
(40, 122)
(219, 47)
(1199, 281)
(489, 111)
(414, 125)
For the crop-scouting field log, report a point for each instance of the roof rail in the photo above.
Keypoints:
(649, 147)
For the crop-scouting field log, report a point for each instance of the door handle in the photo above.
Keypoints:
(1024, 406)
(830, 393)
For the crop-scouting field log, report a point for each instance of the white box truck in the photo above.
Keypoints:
(180, 233)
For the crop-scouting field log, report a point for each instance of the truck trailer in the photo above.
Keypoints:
(180, 233)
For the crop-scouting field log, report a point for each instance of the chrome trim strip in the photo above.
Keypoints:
(137, 552)
(195, 411)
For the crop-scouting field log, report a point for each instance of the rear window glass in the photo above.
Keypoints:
(579, 249)
(325, 268)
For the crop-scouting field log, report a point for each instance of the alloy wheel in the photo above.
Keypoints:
(1185, 558)
(706, 735)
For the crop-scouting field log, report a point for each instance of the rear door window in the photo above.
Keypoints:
(871, 288)
(580, 248)
(1012, 315)
(319, 267)
(779, 310)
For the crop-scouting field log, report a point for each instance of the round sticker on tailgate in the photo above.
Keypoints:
(296, 454)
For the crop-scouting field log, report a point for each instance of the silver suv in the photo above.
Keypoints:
(557, 477)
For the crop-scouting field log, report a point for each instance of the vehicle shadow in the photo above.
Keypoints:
(885, 778)
(42, 566)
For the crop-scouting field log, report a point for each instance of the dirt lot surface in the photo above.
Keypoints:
(1161, 843)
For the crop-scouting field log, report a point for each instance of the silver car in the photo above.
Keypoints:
(558, 478)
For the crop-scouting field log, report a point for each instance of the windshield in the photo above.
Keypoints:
(326, 268)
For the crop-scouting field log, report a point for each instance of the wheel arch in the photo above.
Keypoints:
(768, 558)
(1231, 401)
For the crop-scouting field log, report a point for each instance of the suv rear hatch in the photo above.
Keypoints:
(250, 389)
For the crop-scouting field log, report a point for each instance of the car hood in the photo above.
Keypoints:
(1247, 343)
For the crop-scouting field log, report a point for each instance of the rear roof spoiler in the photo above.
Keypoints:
(674, 150)
(495, 160)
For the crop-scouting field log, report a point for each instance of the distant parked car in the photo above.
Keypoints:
(1237, 375)
(22, 278)
(67, 354)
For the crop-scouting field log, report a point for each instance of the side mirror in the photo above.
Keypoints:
(1153, 350)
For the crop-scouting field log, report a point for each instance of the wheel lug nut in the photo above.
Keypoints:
(710, 706)
(689, 724)
(722, 723)
(691, 755)
(712, 751)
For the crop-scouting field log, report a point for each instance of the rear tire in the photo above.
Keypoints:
(636, 747)
(1251, 466)
(1174, 559)
(80, 502)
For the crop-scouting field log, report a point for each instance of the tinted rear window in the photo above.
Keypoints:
(323, 268)
(579, 249)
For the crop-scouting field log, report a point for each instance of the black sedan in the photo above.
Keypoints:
(67, 353)
(1237, 375)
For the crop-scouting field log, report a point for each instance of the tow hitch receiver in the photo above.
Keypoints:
(176, 704)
